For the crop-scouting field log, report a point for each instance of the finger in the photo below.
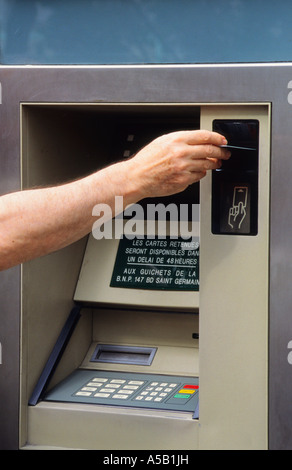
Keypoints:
(209, 151)
(202, 137)
(205, 164)
(215, 163)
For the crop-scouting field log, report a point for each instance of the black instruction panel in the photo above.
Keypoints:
(235, 184)
(156, 264)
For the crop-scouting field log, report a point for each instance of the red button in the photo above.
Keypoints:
(191, 386)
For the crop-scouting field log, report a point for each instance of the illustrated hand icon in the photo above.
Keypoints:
(236, 215)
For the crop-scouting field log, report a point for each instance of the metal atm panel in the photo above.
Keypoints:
(230, 358)
(175, 372)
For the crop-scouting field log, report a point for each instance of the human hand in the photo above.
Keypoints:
(173, 161)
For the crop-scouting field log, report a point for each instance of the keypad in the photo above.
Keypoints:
(137, 390)
(156, 391)
(128, 389)
(100, 387)
(125, 389)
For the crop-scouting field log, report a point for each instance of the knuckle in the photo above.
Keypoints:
(209, 149)
(179, 167)
(211, 164)
(206, 135)
(173, 138)
(207, 165)
(177, 154)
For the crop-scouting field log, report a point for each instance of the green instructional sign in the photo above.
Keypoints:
(157, 264)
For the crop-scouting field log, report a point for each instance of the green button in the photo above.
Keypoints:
(181, 395)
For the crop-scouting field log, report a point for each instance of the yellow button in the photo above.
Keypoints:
(185, 390)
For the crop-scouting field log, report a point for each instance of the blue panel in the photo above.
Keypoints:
(144, 31)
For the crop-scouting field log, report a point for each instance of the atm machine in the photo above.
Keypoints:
(160, 332)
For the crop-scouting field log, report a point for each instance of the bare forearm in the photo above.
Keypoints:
(38, 221)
